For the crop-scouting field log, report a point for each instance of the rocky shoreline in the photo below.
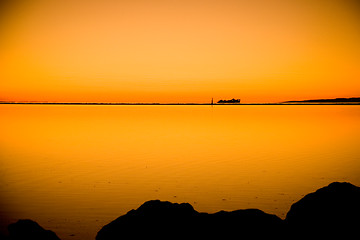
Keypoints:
(330, 212)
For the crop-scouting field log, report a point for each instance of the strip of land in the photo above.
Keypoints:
(327, 101)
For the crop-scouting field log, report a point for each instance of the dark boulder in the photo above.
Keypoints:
(243, 224)
(153, 218)
(165, 220)
(332, 211)
(29, 230)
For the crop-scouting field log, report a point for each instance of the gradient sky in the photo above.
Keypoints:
(179, 51)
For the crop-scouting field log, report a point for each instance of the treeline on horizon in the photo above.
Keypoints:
(334, 100)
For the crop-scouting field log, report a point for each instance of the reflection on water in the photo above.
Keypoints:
(73, 169)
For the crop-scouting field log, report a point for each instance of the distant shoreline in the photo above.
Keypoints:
(199, 104)
(335, 101)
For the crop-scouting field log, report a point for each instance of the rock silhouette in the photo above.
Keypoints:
(165, 220)
(330, 212)
(29, 230)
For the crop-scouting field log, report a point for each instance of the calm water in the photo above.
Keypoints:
(73, 169)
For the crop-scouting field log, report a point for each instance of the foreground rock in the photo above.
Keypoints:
(29, 230)
(332, 211)
(165, 220)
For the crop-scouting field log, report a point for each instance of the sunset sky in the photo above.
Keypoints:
(179, 50)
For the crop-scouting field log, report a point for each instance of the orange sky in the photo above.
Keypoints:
(179, 50)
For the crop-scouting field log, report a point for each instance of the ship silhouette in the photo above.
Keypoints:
(229, 101)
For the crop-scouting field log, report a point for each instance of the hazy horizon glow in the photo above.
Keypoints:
(179, 51)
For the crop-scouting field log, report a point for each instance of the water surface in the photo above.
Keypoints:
(73, 169)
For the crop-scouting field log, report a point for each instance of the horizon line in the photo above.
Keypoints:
(139, 103)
